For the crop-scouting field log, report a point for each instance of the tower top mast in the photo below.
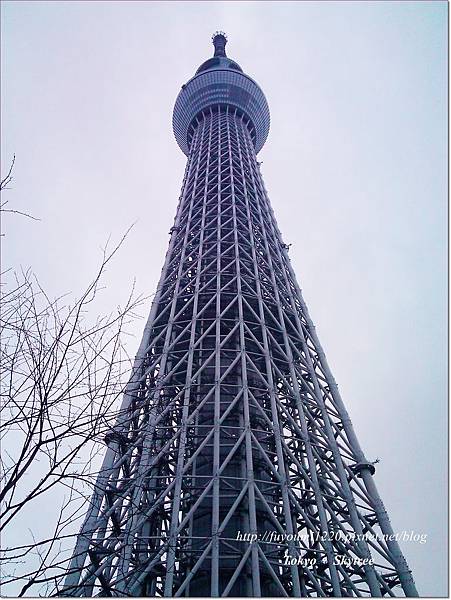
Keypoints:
(219, 39)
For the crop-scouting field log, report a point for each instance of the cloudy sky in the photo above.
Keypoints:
(355, 165)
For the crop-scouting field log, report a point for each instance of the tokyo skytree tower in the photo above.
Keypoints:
(233, 468)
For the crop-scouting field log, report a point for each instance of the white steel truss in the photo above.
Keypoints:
(234, 469)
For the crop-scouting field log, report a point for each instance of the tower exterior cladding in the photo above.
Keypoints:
(233, 469)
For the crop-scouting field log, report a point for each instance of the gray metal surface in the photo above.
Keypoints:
(233, 455)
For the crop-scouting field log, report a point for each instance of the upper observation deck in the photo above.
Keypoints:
(220, 81)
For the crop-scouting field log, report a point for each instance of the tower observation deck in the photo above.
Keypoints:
(233, 468)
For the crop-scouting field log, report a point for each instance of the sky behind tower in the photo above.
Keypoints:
(355, 166)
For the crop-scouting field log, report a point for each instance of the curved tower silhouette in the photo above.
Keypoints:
(234, 469)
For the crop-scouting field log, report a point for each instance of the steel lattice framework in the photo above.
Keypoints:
(234, 468)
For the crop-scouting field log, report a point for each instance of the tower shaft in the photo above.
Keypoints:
(233, 469)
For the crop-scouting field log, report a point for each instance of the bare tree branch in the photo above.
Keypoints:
(62, 376)
(6, 180)
(4, 186)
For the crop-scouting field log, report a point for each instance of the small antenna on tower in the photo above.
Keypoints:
(219, 39)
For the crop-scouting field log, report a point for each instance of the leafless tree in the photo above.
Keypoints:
(61, 377)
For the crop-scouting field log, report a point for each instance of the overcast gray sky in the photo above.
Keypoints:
(355, 166)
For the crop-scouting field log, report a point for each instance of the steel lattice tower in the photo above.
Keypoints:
(233, 455)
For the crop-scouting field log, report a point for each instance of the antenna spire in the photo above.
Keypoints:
(219, 41)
